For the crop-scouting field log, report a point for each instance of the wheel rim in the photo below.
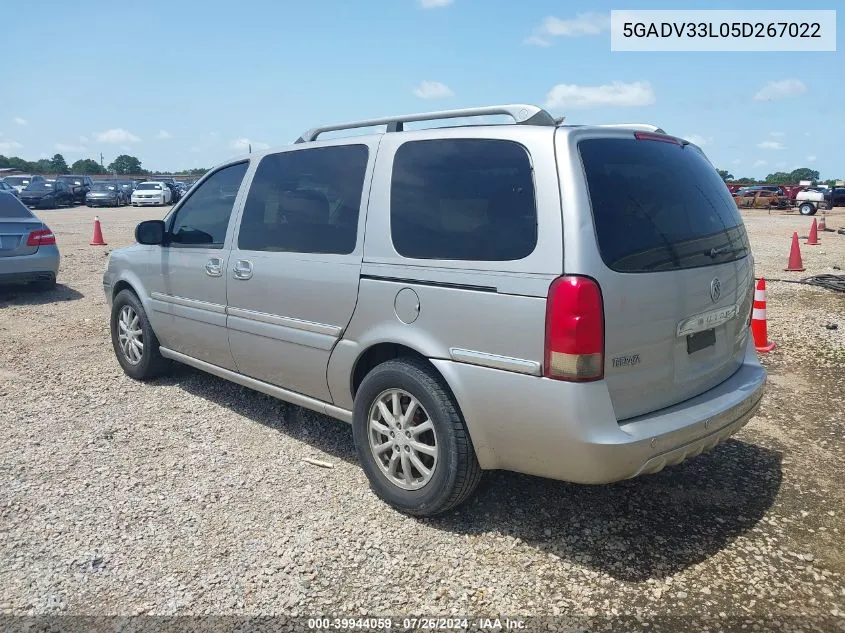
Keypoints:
(130, 337)
(402, 439)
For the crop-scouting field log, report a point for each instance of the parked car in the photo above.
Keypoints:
(4, 186)
(127, 187)
(21, 182)
(50, 195)
(837, 197)
(760, 199)
(518, 297)
(105, 193)
(79, 185)
(151, 193)
(28, 250)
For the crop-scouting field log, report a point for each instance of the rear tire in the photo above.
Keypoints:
(44, 285)
(146, 363)
(807, 209)
(453, 470)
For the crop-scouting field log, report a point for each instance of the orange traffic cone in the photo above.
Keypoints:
(813, 239)
(759, 328)
(97, 239)
(795, 264)
(822, 224)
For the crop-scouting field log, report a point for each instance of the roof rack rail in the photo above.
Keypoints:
(521, 114)
(645, 127)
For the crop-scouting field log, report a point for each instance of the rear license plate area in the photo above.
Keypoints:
(700, 340)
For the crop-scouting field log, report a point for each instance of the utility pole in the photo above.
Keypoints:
(101, 163)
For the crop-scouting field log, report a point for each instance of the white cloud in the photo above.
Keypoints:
(811, 159)
(435, 4)
(65, 147)
(737, 161)
(83, 139)
(163, 134)
(760, 163)
(780, 164)
(536, 40)
(19, 120)
(777, 134)
(433, 90)
(638, 93)
(699, 140)
(116, 135)
(8, 146)
(771, 145)
(780, 90)
(582, 24)
(242, 144)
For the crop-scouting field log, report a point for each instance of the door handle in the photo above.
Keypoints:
(214, 267)
(242, 269)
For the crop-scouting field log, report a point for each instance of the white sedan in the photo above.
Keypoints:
(152, 193)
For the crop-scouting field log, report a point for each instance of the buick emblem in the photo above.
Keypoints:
(715, 289)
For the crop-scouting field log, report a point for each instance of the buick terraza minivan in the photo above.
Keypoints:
(566, 301)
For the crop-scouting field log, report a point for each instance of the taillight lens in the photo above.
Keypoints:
(574, 330)
(654, 136)
(41, 237)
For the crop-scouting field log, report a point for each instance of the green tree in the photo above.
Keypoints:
(803, 173)
(125, 164)
(725, 175)
(58, 164)
(86, 166)
(42, 166)
(779, 178)
(745, 180)
(19, 163)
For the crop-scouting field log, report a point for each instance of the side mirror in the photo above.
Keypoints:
(150, 232)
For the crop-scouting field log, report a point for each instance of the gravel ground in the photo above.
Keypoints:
(189, 496)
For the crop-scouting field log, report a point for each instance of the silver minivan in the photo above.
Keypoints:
(566, 301)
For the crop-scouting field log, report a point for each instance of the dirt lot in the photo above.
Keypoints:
(188, 495)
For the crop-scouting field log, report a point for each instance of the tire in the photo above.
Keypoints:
(454, 469)
(807, 209)
(150, 362)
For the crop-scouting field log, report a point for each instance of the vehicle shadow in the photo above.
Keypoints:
(21, 294)
(650, 527)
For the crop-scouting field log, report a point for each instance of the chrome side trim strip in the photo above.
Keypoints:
(494, 361)
(189, 303)
(296, 324)
(277, 392)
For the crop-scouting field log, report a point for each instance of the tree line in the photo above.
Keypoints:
(122, 165)
(779, 177)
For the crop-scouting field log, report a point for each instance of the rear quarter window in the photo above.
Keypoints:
(659, 206)
(463, 199)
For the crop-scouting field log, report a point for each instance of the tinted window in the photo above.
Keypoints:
(463, 199)
(305, 201)
(204, 217)
(11, 207)
(659, 206)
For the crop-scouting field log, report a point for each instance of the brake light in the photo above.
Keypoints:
(41, 237)
(654, 136)
(574, 330)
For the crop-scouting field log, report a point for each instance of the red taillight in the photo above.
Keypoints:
(653, 136)
(574, 330)
(41, 237)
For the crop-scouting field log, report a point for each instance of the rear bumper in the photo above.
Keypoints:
(41, 265)
(569, 431)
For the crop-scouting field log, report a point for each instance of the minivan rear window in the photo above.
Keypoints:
(659, 206)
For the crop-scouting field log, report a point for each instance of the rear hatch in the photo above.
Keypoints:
(16, 223)
(674, 266)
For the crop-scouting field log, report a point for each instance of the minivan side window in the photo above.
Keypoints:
(463, 199)
(203, 218)
(305, 201)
